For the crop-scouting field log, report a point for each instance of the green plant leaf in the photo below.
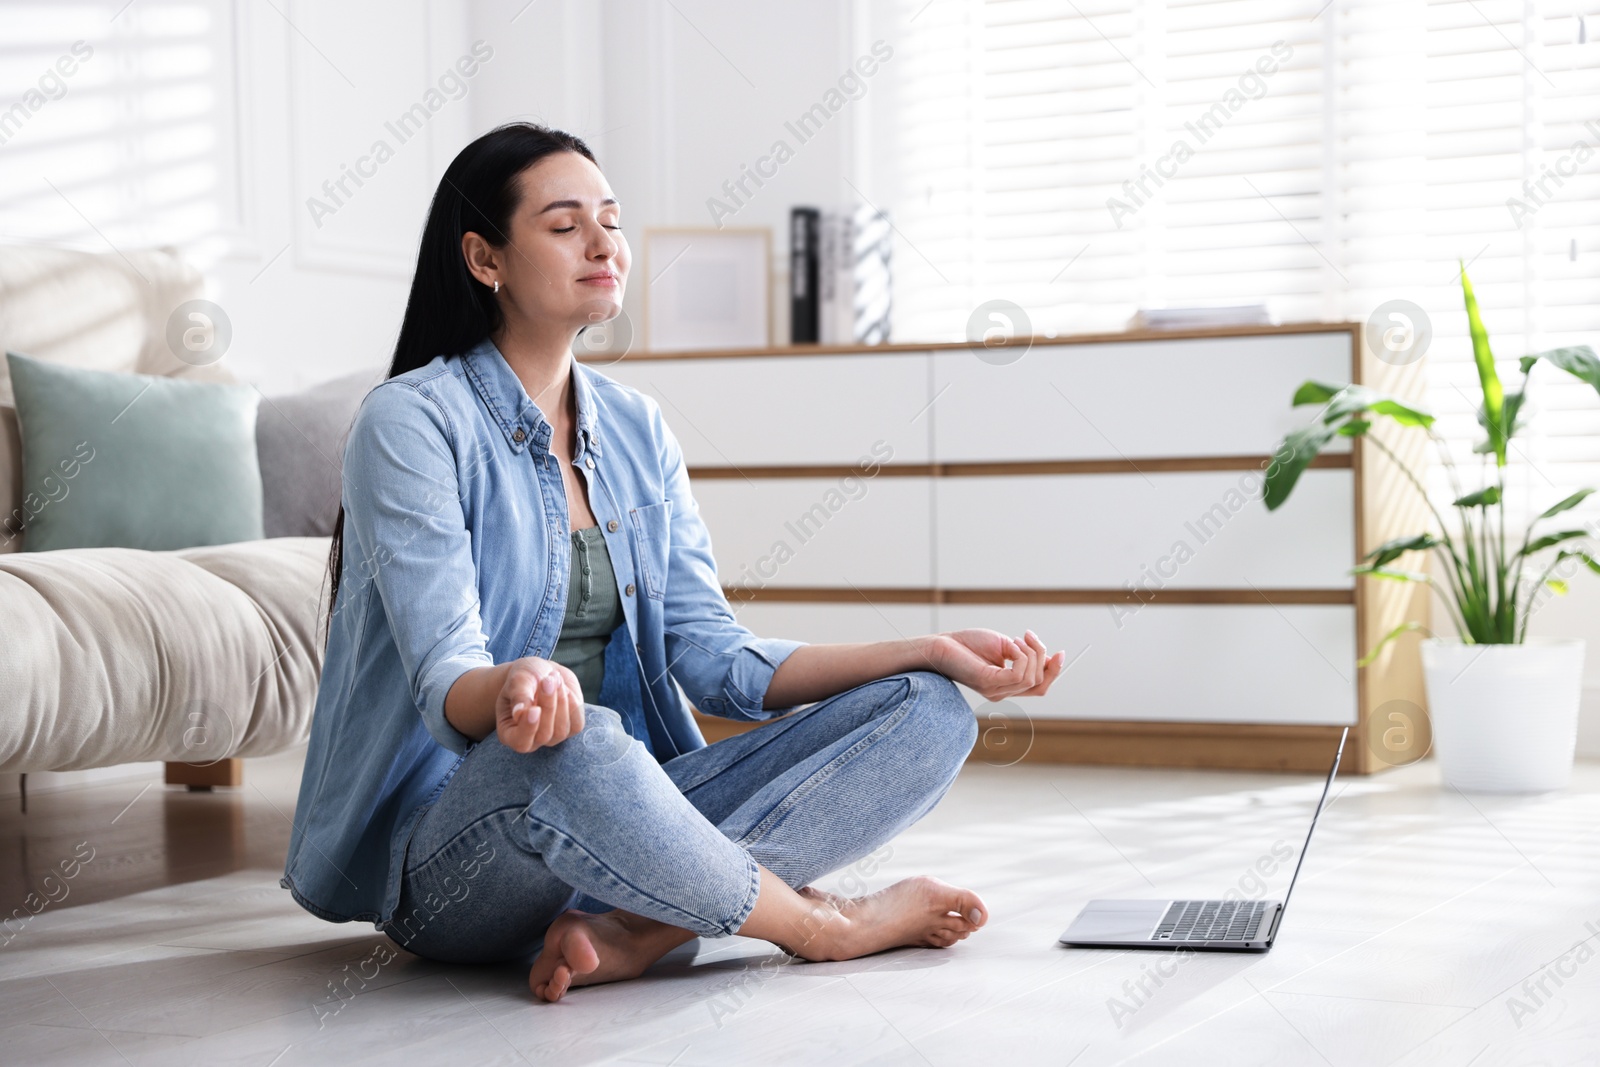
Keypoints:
(1578, 361)
(1404, 414)
(1356, 399)
(1570, 502)
(1481, 499)
(1509, 417)
(1557, 586)
(1589, 561)
(1507, 428)
(1389, 573)
(1403, 628)
(1390, 551)
(1542, 543)
(1355, 428)
(1296, 452)
(1314, 392)
(1492, 414)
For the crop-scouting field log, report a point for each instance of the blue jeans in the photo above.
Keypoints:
(514, 839)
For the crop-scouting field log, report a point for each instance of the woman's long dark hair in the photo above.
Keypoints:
(449, 311)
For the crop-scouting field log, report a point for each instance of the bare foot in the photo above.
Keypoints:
(917, 911)
(822, 896)
(583, 949)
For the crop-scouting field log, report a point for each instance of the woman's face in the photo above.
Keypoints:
(566, 261)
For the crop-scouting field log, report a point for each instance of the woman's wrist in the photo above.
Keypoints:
(929, 651)
(469, 703)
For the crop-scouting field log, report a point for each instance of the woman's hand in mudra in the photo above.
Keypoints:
(541, 703)
(976, 659)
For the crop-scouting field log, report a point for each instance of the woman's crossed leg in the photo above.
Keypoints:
(721, 840)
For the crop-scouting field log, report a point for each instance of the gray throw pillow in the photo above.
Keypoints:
(300, 440)
(134, 460)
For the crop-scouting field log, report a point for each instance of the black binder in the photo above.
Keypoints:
(804, 305)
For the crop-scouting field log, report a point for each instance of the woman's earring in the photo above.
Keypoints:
(497, 285)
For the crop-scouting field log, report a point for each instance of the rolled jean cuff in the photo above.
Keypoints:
(743, 912)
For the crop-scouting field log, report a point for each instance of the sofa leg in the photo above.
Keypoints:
(202, 776)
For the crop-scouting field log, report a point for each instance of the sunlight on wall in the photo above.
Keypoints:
(109, 125)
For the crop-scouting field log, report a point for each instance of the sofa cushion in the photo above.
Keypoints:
(134, 460)
(300, 439)
(115, 655)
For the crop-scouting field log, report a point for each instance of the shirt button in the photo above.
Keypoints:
(588, 461)
(517, 435)
(612, 525)
(629, 590)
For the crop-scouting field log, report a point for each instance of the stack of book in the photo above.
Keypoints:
(1200, 317)
(839, 290)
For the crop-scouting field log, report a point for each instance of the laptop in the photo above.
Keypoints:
(1210, 925)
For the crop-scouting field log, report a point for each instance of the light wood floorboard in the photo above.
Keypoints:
(1428, 928)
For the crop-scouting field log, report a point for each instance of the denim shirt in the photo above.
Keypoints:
(456, 555)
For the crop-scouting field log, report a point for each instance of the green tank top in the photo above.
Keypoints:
(594, 611)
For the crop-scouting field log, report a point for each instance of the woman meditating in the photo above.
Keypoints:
(501, 762)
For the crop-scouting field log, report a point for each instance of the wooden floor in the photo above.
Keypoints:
(1428, 928)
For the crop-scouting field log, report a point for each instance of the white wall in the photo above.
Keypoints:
(697, 91)
(1578, 615)
(208, 126)
(200, 126)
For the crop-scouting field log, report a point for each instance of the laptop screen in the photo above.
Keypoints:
(1320, 802)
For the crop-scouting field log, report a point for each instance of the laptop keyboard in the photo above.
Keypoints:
(1211, 920)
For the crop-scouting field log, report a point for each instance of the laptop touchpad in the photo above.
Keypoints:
(1116, 920)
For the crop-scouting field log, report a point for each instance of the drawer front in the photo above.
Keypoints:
(1184, 663)
(739, 410)
(819, 531)
(824, 624)
(1204, 529)
(1131, 399)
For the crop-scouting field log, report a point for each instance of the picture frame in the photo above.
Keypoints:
(707, 288)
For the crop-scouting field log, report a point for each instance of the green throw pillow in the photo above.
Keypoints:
(134, 460)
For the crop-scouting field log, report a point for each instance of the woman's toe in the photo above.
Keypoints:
(968, 905)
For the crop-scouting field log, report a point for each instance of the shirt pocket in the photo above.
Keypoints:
(652, 527)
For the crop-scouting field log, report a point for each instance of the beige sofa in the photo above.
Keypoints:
(112, 655)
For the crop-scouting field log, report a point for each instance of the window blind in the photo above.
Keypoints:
(1087, 159)
(110, 125)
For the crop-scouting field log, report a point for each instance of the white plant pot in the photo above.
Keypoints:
(1505, 717)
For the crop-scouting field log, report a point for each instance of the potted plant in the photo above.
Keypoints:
(1504, 708)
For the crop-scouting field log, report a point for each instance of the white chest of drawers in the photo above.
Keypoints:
(1102, 491)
